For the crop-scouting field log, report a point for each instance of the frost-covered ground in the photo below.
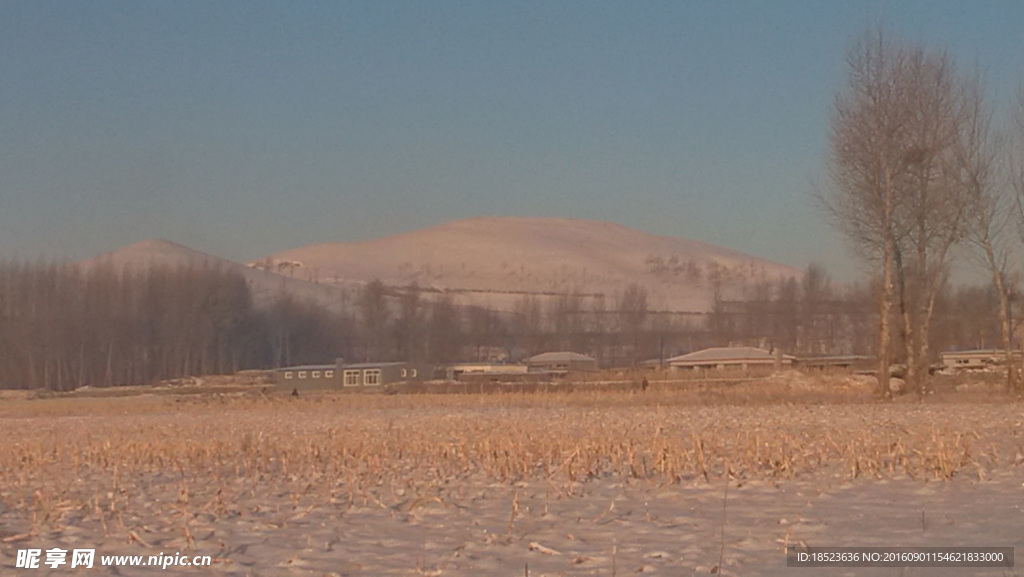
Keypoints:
(540, 484)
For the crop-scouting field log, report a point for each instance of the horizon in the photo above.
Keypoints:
(243, 129)
(437, 226)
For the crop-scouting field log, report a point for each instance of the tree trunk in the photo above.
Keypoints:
(885, 313)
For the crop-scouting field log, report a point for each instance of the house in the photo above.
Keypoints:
(723, 358)
(560, 363)
(975, 359)
(343, 376)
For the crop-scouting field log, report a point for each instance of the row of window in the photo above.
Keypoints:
(311, 374)
(350, 378)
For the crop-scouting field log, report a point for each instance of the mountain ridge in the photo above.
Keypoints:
(490, 262)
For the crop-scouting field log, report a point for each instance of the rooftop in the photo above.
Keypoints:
(719, 354)
(975, 352)
(559, 357)
(373, 365)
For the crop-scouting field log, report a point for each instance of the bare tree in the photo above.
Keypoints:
(566, 315)
(896, 178)
(815, 294)
(868, 136)
(989, 210)
(375, 315)
(632, 307)
(444, 331)
(408, 327)
(937, 205)
(527, 318)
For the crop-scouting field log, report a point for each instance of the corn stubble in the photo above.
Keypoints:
(184, 458)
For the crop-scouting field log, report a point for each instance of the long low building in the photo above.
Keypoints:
(561, 362)
(836, 362)
(340, 375)
(455, 371)
(723, 358)
(975, 359)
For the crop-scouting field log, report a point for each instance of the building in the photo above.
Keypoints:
(377, 374)
(307, 377)
(724, 358)
(560, 363)
(341, 376)
(483, 369)
(837, 363)
(975, 359)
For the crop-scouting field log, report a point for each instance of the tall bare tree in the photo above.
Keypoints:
(632, 305)
(444, 331)
(896, 182)
(937, 205)
(868, 135)
(375, 315)
(989, 213)
(408, 327)
(815, 294)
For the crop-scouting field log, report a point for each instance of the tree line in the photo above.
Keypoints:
(921, 173)
(63, 326)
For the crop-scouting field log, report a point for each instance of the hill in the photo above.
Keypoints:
(492, 261)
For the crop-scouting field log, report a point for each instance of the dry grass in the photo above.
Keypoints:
(113, 459)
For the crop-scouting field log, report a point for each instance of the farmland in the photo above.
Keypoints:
(574, 483)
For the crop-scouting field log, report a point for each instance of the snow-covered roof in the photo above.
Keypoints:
(559, 357)
(727, 355)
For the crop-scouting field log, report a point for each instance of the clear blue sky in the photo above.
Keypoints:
(244, 128)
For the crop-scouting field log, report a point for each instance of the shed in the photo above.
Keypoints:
(456, 371)
(561, 362)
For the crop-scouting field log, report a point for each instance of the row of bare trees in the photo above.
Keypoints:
(919, 176)
(399, 322)
(809, 316)
(62, 327)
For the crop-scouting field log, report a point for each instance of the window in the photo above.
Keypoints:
(403, 373)
(351, 378)
(329, 374)
(316, 374)
(412, 373)
(371, 377)
(302, 374)
(288, 375)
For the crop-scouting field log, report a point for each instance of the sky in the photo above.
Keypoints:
(246, 128)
